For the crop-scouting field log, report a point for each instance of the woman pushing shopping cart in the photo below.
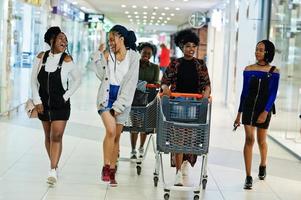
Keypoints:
(184, 75)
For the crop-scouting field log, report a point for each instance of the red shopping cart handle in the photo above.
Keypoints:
(186, 95)
(152, 85)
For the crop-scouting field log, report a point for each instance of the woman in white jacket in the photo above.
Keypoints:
(54, 79)
(118, 71)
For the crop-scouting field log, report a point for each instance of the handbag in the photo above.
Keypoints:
(30, 109)
(140, 98)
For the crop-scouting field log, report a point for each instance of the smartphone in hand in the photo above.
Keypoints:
(235, 126)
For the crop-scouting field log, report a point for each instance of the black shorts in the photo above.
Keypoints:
(54, 115)
(247, 115)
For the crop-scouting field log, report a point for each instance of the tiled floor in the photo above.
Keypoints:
(24, 164)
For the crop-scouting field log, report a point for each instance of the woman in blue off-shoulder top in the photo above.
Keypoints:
(260, 85)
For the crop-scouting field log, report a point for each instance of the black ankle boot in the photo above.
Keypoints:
(262, 172)
(248, 183)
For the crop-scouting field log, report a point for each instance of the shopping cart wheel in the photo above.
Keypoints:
(138, 170)
(166, 196)
(156, 179)
(204, 183)
(196, 197)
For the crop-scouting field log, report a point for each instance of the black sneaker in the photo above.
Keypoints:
(248, 183)
(262, 172)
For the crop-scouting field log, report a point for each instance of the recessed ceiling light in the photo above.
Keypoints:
(131, 20)
(177, 8)
(129, 16)
(145, 7)
(168, 18)
(172, 0)
(137, 16)
(154, 13)
(163, 14)
(138, 23)
(156, 8)
(166, 8)
(185, 0)
(136, 13)
(74, 3)
(152, 17)
(126, 12)
(144, 20)
(144, 17)
(145, 13)
(171, 14)
(165, 22)
(160, 17)
(124, 6)
(158, 21)
(134, 6)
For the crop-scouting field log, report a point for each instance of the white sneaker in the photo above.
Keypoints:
(133, 155)
(141, 152)
(184, 168)
(179, 179)
(52, 177)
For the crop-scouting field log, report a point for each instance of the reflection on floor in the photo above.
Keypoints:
(24, 164)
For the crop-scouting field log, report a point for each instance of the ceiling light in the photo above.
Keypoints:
(165, 22)
(74, 3)
(160, 17)
(152, 17)
(124, 6)
(144, 20)
(163, 14)
(185, 0)
(145, 13)
(129, 16)
(126, 12)
(134, 6)
(138, 23)
(136, 13)
(172, 0)
(168, 18)
(154, 13)
(166, 8)
(145, 7)
(137, 16)
(144, 23)
(158, 21)
(171, 14)
(131, 20)
(177, 8)
(156, 8)
(83, 8)
(144, 17)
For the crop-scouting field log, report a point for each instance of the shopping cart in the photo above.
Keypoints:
(143, 119)
(183, 126)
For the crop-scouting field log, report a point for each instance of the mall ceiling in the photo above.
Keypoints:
(149, 14)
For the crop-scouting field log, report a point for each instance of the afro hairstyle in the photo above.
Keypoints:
(184, 36)
(142, 45)
(51, 33)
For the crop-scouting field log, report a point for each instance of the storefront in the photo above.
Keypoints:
(27, 21)
(285, 32)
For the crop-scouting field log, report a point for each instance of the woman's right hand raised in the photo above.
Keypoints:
(39, 108)
(102, 49)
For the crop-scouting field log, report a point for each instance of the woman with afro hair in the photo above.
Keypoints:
(149, 73)
(186, 75)
(260, 86)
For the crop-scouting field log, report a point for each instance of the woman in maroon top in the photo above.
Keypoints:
(186, 75)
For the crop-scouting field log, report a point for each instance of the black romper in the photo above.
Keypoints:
(51, 91)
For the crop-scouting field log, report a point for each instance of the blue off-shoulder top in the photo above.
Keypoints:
(273, 87)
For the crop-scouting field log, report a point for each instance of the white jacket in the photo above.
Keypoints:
(127, 86)
(70, 73)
